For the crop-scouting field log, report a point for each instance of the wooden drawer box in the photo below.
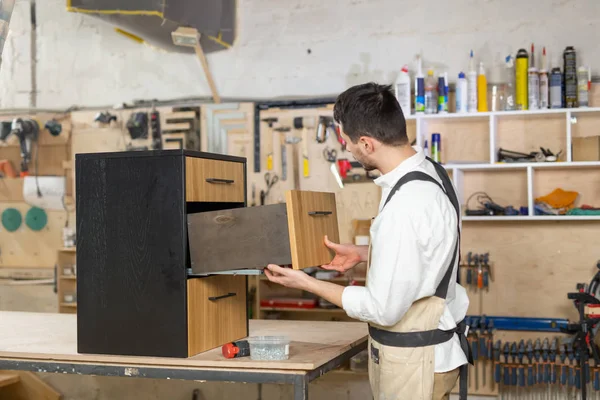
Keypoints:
(134, 294)
(250, 238)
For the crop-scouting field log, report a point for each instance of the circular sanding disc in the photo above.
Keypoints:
(36, 219)
(11, 219)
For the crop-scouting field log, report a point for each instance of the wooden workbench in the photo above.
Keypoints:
(47, 342)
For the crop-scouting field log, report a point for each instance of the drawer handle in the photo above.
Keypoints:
(217, 180)
(320, 212)
(213, 298)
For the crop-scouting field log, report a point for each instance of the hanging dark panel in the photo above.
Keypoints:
(155, 20)
(117, 5)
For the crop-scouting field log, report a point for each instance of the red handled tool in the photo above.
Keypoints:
(241, 348)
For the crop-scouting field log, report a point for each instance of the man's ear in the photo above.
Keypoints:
(367, 143)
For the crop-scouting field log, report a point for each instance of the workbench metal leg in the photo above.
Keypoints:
(301, 388)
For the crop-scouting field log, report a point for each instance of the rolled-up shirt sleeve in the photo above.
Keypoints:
(398, 266)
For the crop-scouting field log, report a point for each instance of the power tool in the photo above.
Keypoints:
(27, 130)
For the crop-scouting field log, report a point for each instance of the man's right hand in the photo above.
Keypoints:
(347, 256)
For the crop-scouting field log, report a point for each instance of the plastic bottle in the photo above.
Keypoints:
(472, 86)
(419, 88)
(461, 93)
(582, 86)
(510, 84)
(430, 93)
(482, 105)
(402, 88)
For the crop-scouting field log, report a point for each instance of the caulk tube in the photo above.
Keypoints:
(472, 86)
(461, 93)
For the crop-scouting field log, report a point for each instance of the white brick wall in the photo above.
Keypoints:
(84, 62)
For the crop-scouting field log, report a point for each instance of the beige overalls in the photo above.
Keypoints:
(401, 357)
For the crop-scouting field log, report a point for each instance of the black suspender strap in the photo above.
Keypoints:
(435, 336)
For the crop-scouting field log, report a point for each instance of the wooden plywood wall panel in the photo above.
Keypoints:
(25, 248)
(529, 132)
(462, 140)
(354, 201)
(535, 264)
(585, 181)
(504, 187)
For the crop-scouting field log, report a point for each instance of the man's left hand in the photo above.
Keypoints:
(288, 277)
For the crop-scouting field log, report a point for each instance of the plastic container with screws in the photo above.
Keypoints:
(269, 348)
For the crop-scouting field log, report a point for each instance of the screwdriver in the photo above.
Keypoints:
(564, 373)
(530, 374)
(483, 344)
(479, 274)
(571, 357)
(474, 348)
(513, 369)
(498, 368)
(506, 351)
(521, 379)
(490, 341)
(539, 369)
(596, 382)
(545, 349)
(553, 349)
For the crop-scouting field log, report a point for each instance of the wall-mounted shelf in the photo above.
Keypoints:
(503, 113)
(532, 218)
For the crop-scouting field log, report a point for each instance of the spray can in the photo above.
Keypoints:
(472, 86)
(582, 87)
(521, 79)
(419, 89)
(556, 96)
(510, 83)
(461, 93)
(570, 77)
(402, 87)
(436, 147)
(442, 103)
(533, 88)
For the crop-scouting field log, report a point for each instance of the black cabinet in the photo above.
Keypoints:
(133, 292)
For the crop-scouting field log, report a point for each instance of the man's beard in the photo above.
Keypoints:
(366, 166)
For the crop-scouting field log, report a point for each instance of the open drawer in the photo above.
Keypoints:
(253, 237)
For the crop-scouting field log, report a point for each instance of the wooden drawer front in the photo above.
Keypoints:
(239, 238)
(215, 316)
(214, 180)
(311, 216)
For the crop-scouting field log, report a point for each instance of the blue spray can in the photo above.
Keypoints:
(436, 147)
(442, 99)
(556, 97)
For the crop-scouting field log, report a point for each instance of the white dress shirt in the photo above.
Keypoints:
(412, 240)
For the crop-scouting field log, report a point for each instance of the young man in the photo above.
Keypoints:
(411, 301)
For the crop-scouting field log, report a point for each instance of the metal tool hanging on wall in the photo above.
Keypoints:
(305, 123)
(282, 142)
(27, 131)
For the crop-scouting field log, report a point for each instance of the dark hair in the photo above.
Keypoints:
(371, 110)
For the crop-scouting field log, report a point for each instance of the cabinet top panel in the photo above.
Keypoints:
(159, 153)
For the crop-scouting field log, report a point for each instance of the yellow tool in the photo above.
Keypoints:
(269, 142)
(305, 123)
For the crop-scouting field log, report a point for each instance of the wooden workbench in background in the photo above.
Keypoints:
(44, 342)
